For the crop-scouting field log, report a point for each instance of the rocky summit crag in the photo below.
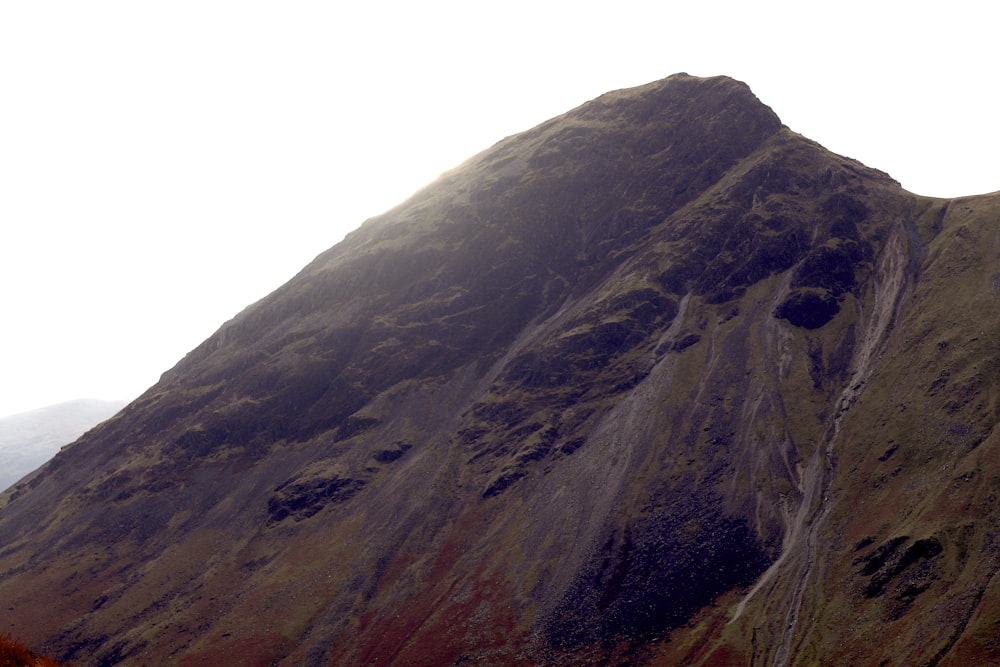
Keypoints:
(657, 382)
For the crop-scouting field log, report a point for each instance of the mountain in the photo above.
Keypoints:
(29, 439)
(658, 381)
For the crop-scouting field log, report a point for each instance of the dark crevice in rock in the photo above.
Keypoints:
(301, 500)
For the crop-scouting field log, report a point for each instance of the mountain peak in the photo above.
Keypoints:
(623, 377)
(695, 91)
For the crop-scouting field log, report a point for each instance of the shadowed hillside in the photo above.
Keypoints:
(658, 381)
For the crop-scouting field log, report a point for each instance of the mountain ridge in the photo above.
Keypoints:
(596, 388)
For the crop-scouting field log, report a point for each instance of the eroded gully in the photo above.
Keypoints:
(797, 563)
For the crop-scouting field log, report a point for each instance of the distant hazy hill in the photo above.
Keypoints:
(29, 439)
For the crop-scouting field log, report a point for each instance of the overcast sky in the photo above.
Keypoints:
(165, 164)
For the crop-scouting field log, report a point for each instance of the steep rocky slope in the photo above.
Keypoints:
(658, 369)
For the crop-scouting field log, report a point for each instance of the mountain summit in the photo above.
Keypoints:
(658, 381)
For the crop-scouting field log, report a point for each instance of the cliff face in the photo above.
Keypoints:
(657, 369)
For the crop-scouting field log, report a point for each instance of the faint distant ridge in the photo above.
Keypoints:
(29, 439)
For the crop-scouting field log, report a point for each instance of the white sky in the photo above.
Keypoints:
(164, 164)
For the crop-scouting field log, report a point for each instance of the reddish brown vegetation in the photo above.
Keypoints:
(251, 651)
(437, 625)
(15, 654)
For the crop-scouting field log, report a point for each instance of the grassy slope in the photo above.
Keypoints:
(920, 462)
(905, 574)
